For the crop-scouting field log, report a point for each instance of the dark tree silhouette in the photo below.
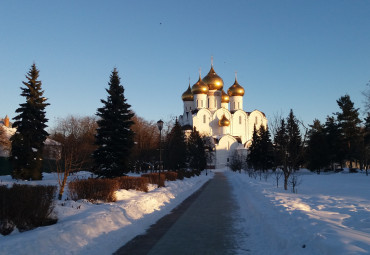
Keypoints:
(28, 140)
(349, 123)
(196, 151)
(176, 151)
(114, 136)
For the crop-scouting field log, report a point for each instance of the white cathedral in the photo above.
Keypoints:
(220, 116)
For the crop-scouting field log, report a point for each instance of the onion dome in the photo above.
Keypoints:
(224, 122)
(213, 81)
(187, 95)
(200, 87)
(224, 97)
(235, 89)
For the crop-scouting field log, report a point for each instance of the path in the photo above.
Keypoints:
(202, 224)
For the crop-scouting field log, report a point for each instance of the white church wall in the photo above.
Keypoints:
(239, 120)
(224, 149)
(236, 103)
(217, 115)
(200, 101)
(258, 118)
(202, 121)
(188, 106)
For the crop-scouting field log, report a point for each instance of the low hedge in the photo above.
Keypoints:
(171, 176)
(136, 183)
(155, 179)
(26, 207)
(93, 189)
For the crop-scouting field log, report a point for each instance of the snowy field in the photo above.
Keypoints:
(329, 215)
(85, 228)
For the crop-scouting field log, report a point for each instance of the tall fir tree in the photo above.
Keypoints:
(254, 153)
(317, 152)
(267, 154)
(196, 151)
(288, 147)
(349, 123)
(280, 146)
(366, 141)
(28, 140)
(334, 140)
(260, 155)
(176, 151)
(114, 136)
(294, 147)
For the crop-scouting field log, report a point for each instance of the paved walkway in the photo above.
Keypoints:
(202, 224)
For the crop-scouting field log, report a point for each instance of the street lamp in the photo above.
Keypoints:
(160, 127)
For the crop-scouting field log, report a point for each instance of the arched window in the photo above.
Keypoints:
(197, 103)
(256, 120)
(208, 103)
(204, 118)
(238, 105)
(240, 120)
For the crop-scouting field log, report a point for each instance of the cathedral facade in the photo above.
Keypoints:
(220, 116)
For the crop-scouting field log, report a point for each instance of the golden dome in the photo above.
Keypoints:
(224, 122)
(200, 87)
(187, 95)
(235, 89)
(224, 97)
(213, 81)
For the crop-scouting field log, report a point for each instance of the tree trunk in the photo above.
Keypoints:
(61, 191)
(286, 177)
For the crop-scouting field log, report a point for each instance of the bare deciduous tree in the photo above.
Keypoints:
(4, 139)
(146, 141)
(76, 137)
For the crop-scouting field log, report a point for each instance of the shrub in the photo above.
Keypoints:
(189, 174)
(154, 179)
(136, 183)
(180, 175)
(170, 176)
(26, 207)
(93, 189)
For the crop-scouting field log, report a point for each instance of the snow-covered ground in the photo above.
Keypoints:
(85, 228)
(329, 215)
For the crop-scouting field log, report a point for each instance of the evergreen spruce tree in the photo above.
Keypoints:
(266, 150)
(114, 136)
(349, 122)
(366, 140)
(28, 141)
(254, 153)
(176, 150)
(334, 141)
(260, 155)
(280, 146)
(197, 153)
(317, 153)
(294, 147)
(288, 147)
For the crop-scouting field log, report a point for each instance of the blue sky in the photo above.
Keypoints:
(288, 54)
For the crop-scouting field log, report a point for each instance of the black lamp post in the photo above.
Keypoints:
(160, 126)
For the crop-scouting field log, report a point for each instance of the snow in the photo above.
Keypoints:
(329, 215)
(86, 228)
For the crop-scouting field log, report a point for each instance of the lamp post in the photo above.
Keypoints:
(160, 126)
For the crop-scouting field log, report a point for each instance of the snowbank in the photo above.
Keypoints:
(329, 215)
(85, 228)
